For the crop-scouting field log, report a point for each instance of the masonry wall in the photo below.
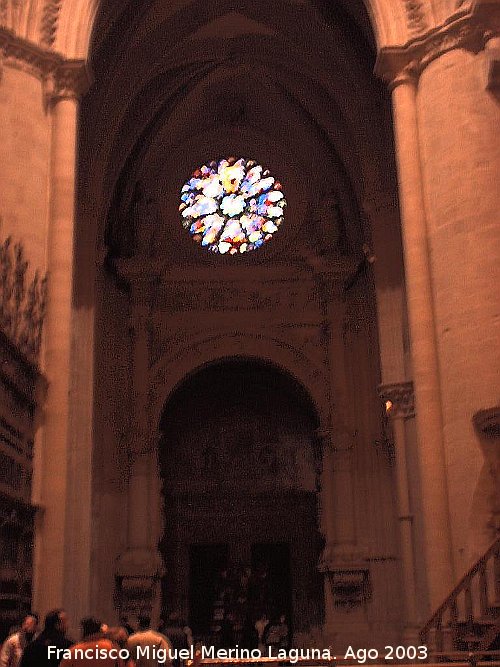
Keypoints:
(24, 162)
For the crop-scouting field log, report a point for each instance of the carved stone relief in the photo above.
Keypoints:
(250, 296)
(22, 301)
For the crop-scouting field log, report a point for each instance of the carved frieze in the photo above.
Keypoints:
(399, 399)
(22, 301)
(244, 296)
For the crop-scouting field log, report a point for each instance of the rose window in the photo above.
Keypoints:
(232, 206)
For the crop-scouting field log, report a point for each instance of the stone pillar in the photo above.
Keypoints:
(446, 116)
(346, 572)
(459, 113)
(52, 541)
(388, 270)
(139, 569)
(338, 439)
(400, 407)
(391, 312)
(425, 360)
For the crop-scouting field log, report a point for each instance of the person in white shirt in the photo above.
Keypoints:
(149, 648)
(13, 647)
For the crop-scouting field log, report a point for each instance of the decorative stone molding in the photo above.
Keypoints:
(22, 303)
(62, 79)
(50, 19)
(137, 595)
(487, 422)
(348, 574)
(470, 30)
(25, 56)
(399, 399)
(350, 588)
(69, 80)
(415, 16)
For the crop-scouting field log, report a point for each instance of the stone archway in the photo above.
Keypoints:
(240, 463)
(172, 369)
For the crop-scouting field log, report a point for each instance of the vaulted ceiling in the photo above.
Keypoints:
(290, 84)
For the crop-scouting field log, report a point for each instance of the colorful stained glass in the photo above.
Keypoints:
(232, 206)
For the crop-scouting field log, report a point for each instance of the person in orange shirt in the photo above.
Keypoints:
(94, 649)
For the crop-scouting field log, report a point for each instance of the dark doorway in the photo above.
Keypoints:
(243, 472)
(271, 586)
(206, 563)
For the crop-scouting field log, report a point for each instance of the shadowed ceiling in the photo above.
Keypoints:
(290, 85)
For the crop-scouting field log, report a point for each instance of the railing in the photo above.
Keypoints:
(469, 618)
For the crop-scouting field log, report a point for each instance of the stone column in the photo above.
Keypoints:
(139, 569)
(395, 391)
(346, 572)
(399, 403)
(456, 116)
(338, 499)
(52, 541)
(425, 360)
(449, 158)
(342, 437)
(459, 114)
(388, 269)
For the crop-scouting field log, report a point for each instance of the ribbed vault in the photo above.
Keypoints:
(250, 68)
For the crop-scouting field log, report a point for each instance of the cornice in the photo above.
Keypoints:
(469, 29)
(61, 78)
(23, 55)
(399, 399)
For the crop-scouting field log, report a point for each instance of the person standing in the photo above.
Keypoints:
(14, 646)
(149, 648)
(95, 648)
(54, 632)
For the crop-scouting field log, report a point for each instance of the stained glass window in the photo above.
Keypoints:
(232, 206)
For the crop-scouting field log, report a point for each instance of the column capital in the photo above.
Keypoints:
(469, 29)
(69, 80)
(399, 399)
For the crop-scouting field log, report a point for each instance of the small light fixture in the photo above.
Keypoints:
(388, 406)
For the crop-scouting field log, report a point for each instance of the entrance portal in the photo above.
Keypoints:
(239, 465)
